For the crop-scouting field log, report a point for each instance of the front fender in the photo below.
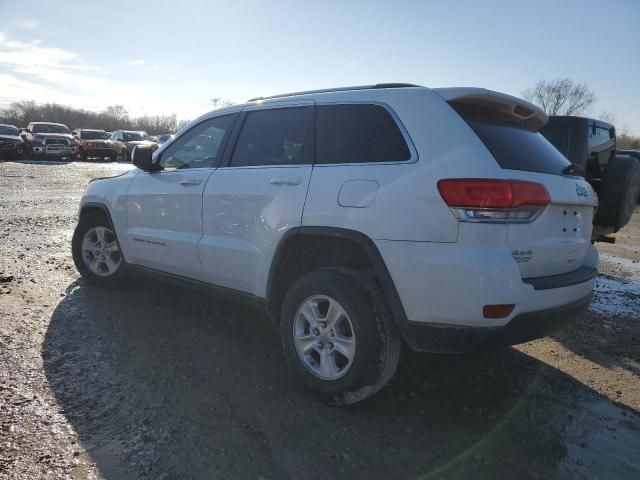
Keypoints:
(111, 194)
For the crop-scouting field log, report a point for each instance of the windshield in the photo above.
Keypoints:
(134, 136)
(8, 130)
(49, 128)
(93, 135)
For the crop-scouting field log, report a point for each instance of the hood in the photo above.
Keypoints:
(68, 136)
(140, 142)
(13, 138)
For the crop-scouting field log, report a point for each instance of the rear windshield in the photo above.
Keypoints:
(517, 149)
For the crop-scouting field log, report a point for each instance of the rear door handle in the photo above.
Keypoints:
(285, 181)
(191, 182)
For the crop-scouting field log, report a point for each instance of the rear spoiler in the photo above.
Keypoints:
(531, 116)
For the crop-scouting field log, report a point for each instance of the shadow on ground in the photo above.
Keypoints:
(161, 383)
(609, 335)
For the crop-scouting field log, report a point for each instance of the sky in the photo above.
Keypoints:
(160, 57)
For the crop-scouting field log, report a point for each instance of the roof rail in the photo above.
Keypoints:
(339, 89)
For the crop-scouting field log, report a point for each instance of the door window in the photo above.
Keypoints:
(274, 137)
(200, 147)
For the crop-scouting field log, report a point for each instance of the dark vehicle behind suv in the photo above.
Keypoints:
(591, 147)
(11, 144)
(49, 140)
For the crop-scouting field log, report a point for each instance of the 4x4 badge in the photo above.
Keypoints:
(581, 191)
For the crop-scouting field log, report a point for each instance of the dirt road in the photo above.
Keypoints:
(155, 382)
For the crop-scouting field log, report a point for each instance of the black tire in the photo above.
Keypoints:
(378, 343)
(619, 193)
(119, 277)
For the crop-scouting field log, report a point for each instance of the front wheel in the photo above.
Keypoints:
(96, 252)
(338, 335)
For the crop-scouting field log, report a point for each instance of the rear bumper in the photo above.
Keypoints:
(443, 289)
(439, 338)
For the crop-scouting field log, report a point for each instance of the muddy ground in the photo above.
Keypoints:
(155, 382)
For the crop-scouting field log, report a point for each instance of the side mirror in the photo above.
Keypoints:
(141, 157)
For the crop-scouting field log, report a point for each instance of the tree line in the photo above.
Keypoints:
(556, 97)
(112, 118)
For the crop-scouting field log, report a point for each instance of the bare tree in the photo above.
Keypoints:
(626, 141)
(561, 97)
(117, 112)
(219, 102)
(607, 116)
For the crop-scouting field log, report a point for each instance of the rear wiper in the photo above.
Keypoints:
(573, 169)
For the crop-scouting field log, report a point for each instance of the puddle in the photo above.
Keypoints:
(602, 441)
(628, 268)
(614, 296)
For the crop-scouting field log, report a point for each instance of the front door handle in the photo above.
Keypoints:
(285, 181)
(191, 182)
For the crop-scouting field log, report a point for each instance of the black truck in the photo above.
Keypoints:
(590, 145)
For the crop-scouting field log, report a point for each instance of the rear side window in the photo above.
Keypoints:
(358, 133)
(601, 137)
(517, 149)
(274, 137)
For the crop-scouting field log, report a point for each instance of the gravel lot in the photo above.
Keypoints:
(155, 382)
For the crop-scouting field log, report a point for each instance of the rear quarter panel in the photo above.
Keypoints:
(407, 205)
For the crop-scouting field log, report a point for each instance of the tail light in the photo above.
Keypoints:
(489, 200)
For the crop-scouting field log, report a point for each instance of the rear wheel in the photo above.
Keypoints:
(96, 252)
(338, 336)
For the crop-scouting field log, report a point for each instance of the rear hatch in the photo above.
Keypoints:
(557, 239)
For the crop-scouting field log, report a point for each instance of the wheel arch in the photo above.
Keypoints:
(289, 263)
(95, 207)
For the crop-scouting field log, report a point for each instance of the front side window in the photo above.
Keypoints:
(200, 147)
(274, 137)
(358, 133)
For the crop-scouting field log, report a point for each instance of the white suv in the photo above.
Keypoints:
(359, 219)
